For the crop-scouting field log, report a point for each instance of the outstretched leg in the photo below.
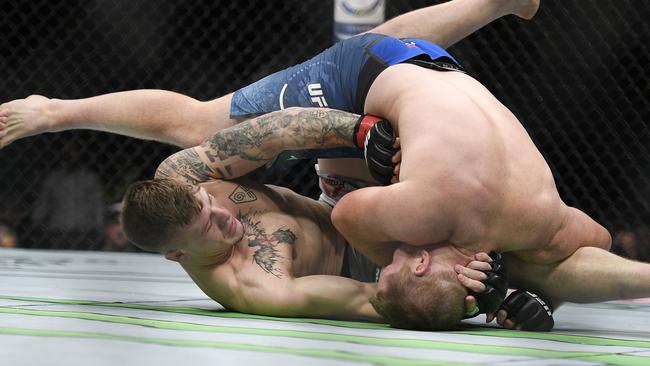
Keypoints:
(183, 121)
(148, 114)
(448, 23)
(588, 275)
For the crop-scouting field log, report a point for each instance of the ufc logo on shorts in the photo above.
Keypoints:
(316, 93)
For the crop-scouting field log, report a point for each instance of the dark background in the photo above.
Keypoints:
(577, 76)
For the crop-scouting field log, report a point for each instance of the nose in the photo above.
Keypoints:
(221, 216)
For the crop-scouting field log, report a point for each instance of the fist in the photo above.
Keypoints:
(377, 139)
(487, 282)
(524, 310)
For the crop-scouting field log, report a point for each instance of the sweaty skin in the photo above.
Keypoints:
(184, 121)
(470, 176)
(286, 258)
(286, 235)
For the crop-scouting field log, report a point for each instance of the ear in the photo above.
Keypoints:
(423, 260)
(177, 256)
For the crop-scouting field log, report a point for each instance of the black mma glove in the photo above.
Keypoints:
(376, 137)
(496, 287)
(529, 311)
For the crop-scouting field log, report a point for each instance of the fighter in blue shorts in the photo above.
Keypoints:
(340, 78)
(337, 78)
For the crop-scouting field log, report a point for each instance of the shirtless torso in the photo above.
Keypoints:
(289, 244)
(470, 174)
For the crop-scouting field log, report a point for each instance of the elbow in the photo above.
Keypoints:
(340, 216)
(160, 172)
(165, 169)
(605, 239)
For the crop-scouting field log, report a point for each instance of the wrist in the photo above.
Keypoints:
(362, 129)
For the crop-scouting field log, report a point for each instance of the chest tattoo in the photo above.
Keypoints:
(267, 254)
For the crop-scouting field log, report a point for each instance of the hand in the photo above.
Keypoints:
(486, 280)
(524, 310)
(471, 307)
(377, 139)
(397, 160)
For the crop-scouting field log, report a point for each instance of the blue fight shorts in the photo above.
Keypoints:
(339, 78)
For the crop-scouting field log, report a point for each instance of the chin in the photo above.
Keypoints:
(239, 231)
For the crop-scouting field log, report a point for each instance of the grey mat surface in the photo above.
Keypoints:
(91, 308)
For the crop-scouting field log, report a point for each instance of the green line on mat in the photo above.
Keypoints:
(621, 360)
(329, 354)
(202, 312)
(367, 340)
(557, 337)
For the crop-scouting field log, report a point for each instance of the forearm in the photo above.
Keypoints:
(337, 298)
(236, 151)
(147, 114)
(588, 275)
(447, 23)
(316, 296)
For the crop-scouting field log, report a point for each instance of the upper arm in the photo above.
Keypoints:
(400, 213)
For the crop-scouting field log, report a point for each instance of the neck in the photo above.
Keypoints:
(211, 258)
(450, 254)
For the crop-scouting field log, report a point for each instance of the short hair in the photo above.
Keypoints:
(154, 211)
(430, 302)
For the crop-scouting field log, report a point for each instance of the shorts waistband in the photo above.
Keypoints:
(374, 66)
(333, 187)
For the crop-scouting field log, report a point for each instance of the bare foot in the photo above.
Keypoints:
(525, 9)
(24, 117)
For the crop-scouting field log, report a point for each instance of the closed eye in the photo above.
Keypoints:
(208, 225)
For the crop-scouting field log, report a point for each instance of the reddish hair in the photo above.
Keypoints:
(430, 302)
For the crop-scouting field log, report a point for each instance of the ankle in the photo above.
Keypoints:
(57, 115)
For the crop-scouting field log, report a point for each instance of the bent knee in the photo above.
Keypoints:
(605, 239)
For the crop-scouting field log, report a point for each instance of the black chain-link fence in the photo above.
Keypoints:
(577, 76)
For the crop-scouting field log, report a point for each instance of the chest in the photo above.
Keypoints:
(280, 246)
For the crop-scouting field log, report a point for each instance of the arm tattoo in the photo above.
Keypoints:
(322, 128)
(267, 255)
(185, 164)
(258, 140)
(289, 129)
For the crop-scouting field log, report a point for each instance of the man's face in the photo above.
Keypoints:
(214, 224)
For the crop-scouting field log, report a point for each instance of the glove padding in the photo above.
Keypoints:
(529, 311)
(376, 137)
(496, 287)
